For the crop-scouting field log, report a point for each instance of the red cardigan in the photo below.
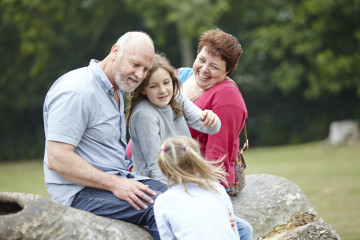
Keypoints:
(226, 101)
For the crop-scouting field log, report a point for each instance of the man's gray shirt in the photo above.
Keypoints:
(80, 109)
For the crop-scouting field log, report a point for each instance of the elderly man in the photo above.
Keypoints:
(85, 163)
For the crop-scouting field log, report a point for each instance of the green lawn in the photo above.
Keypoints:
(330, 177)
(24, 176)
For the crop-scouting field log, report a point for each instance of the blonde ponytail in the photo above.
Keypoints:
(180, 161)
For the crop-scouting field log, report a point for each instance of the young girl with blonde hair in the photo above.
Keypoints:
(195, 206)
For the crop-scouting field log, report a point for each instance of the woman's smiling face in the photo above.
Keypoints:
(208, 69)
(160, 89)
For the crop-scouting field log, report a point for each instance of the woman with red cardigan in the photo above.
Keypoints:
(207, 85)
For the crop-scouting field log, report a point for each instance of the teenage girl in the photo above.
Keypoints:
(195, 206)
(157, 111)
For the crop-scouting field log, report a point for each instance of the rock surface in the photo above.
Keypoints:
(342, 131)
(315, 230)
(275, 207)
(29, 216)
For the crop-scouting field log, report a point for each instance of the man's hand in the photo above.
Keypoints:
(64, 161)
(131, 191)
(209, 118)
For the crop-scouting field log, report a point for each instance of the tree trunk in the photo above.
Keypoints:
(186, 52)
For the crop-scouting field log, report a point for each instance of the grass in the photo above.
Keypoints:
(23, 176)
(329, 176)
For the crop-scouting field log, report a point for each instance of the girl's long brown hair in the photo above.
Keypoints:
(160, 61)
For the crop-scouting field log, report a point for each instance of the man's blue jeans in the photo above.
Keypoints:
(104, 203)
(244, 228)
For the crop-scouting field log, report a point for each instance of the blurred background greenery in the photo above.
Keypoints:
(299, 72)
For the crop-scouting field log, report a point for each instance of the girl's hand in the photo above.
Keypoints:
(232, 221)
(209, 118)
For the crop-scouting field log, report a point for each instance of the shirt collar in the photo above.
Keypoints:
(100, 76)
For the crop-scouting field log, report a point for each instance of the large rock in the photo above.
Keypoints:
(29, 216)
(275, 207)
(342, 131)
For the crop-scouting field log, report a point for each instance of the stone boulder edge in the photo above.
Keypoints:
(315, 230)
(30, 216)
(277, 207)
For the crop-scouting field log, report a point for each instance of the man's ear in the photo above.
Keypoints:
(115, 50)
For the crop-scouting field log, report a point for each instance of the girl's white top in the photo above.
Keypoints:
(203, 215)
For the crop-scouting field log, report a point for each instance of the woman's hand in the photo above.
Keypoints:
(209, 118)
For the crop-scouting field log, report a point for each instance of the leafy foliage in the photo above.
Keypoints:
(187, 19)
(310, 45)
(43, 40)
(299, 70)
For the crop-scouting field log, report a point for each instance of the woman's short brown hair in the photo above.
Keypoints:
(225, 45)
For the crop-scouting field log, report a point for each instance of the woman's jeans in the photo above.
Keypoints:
(104, 203)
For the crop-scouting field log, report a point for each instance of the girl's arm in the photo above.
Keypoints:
(196, 118)
(146, 142)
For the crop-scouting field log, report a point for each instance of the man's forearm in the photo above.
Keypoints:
(63, 160)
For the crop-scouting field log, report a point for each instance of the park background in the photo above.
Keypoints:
(300, 71)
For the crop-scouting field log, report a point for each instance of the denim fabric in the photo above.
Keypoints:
(244, 228)
(104, 203)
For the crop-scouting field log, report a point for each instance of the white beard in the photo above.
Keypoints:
(125, 84)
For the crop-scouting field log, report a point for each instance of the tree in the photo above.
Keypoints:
(298, 71)
(186, 19)
(43, 40)
(298, 56)
(311, 45)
